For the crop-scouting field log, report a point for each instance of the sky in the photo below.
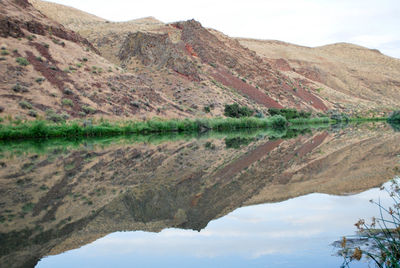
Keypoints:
(298, 232)
(370, 23)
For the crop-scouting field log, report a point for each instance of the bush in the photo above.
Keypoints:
(394, 117)
(88, 110)
(237, 142)
(210, 145)
(278, 121)
(39, 80)
(289, 113)
(18, 88)
(68, 91)
(67, 102)
(56, 118)
(25, 105)
(32, 113)
(234, 110)
(22, 61)
(340, 117)
(207, 109)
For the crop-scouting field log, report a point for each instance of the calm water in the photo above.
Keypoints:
(252, 199)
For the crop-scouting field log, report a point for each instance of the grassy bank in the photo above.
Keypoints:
(46, 129)
(43, 145)
(307, 121)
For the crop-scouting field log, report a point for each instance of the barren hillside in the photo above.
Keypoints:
(340, 76)
(144, 68)
(354, 77)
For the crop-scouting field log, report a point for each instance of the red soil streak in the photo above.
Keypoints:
(311, 145)
(307, 147)
(188, 77)
(310, 74)
(308, 96)
(44, 52)
(245, 161)
(281, 64)
(55, 77)
(191, 51)
(251, 92)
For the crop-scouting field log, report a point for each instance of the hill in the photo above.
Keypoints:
(258, 73)
(144, 68)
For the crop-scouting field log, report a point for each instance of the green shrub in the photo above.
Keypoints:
(67, 102)
(32, 113)
(340, 117)
(237, 142)
(18, 88)
(30, 37)
(25, 105)
(39, 80)
(207, 109)
(394, 117)
(234, 110)
(210, 145)
(55, 117)
(5, 53)
(289, 113)
(278, 121)
(68, 91)
(88, 110)
(28, 207)
(22, 61)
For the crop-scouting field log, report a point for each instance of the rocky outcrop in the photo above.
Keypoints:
(157, 49)
(12, 26)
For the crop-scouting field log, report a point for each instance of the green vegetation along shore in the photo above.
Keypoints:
(87, 128)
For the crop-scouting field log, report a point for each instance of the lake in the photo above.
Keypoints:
(239, 199)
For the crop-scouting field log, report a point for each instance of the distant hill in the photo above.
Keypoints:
(145, 68)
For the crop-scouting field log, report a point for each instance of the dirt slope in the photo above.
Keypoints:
(145, 68)
(60, 74)
(353, 77)
(340, 76)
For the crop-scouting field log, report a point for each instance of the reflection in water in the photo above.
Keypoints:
(293, 233)
(63, 195)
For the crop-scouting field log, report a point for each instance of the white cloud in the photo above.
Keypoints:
(306, 22)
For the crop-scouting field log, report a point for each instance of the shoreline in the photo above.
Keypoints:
(85, 128)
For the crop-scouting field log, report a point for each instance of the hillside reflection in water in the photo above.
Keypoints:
(259, 198)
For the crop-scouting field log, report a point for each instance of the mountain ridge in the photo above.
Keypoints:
(177, 70)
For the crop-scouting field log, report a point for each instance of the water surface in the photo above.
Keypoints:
(258, 199)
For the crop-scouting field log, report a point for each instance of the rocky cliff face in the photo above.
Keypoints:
(158, 50)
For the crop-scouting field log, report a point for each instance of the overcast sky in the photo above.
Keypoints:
(370, 23)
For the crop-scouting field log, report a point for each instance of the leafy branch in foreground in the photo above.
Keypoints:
(378, 242)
